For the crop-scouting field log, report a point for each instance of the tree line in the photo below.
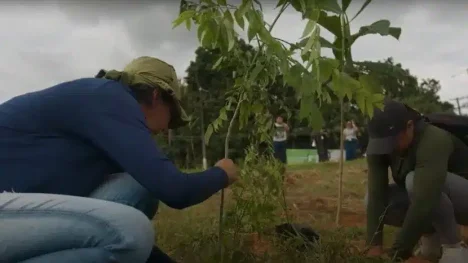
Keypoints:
(204, 90)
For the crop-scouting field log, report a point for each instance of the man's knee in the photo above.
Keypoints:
(124, 189)
(409, 182)
(135, 234)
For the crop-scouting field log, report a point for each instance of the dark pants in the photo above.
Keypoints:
(280, 151)
(350, 149)
(451, 211)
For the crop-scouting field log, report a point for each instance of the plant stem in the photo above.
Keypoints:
(340, 176)
(221, 205)
(228, 135)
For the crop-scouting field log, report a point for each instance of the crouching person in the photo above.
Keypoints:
(81, 176)
(428, 200)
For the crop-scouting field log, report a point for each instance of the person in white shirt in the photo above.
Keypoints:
(351, 141)
(279, 139)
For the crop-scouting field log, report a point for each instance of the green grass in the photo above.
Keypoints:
(311, 189)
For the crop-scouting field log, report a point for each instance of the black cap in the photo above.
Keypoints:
(385, 126)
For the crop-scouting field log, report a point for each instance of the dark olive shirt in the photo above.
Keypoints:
(433, 153)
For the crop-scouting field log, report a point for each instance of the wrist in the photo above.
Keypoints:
(223, 174)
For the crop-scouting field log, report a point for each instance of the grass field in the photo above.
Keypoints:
(311, 190)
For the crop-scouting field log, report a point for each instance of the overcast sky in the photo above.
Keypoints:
(43, 43)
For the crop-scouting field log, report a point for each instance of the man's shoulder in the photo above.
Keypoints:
(434, 138)
(89, 86)
(89, 91)
(434, 134)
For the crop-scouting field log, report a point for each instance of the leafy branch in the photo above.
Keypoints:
(316, 79)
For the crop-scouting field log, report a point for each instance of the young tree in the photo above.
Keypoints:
(315, 78)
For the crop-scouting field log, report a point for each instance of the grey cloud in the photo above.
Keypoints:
(60, 40)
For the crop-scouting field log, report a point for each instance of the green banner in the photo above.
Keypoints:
(298, 156)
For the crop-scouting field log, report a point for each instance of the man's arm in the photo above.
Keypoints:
(377, 197)
(355, 127)
(430, 172)
(116, 126)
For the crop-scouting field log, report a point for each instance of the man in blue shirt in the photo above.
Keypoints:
(80, 174)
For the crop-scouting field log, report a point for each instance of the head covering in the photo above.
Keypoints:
(154, 73)
(385, 126)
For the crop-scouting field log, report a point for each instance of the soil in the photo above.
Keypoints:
(352, 215)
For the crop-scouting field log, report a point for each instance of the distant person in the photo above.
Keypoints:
(351, 143)
(280, 138)
(319, 140)
(81, 176)
(429, 199)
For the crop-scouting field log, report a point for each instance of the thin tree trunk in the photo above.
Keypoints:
(340, 176)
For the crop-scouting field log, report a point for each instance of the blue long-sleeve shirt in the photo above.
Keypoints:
(68, 138)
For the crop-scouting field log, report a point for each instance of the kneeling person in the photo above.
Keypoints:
(430, 169)
(81, 175)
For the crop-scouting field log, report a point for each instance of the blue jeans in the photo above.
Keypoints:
(112, 225)
(350, 149)
(280, 151)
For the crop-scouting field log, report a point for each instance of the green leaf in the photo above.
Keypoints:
(210, 34)
(370, 108)
(229, 33)
(228, 16)
(325, 43)
(326, 97)
(182, 6)
(366, 3)
(280, 3)
(330, 23)
(222, 2)
(257, 108)
(208, 133)
(330, 5)
(309, 110)
(345, 4)
(337, 84)
(201, 30)
(294, 76)
(381, 27)
(188, 24)
(244, 7)
(296, 5)
(308, 45)
(218, 62)
(255, 72)
(349, 85)
(378, 99)
(303, 5)
(360, 99)
(312, 12)
(188, 14)
(370, 84)
(308, 28)
(223, 114)
(395, 32)
(207, 40)
(251, 33)
(327, 65)
(239, 18)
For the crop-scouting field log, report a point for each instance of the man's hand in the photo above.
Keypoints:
(230, 168)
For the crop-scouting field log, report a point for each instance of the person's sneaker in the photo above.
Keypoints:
(454, 254)
(430, 248)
